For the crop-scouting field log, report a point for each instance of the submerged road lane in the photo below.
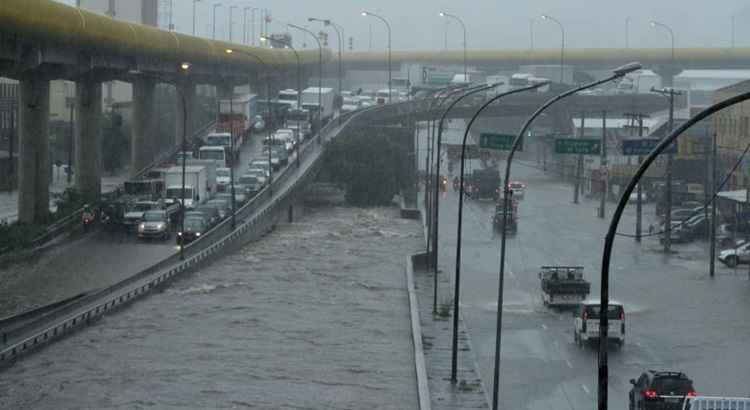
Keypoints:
(314, 316)
(677, 318)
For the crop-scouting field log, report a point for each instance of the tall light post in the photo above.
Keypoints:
(627, 32)
(244, 23)
(299, 88)
(270, 111)
(457, 278)
(388, 26)
(617, 73)
(213, 25)
(463, 26)
(668, 171)
(438, 143)
(320, 71)
(252, 24)
(231, 21)
(732, 22)
(194, 2)
(603, 373)
(562, 43)
(340, 36)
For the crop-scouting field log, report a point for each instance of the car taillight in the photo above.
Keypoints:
(585, 315)
(650, 394)
(622, 315)
(692, 393)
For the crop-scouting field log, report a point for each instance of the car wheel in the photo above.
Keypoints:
(732, 261)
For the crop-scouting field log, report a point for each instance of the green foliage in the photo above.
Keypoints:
(368, 166)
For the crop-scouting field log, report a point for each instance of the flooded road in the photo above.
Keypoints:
(313, 316)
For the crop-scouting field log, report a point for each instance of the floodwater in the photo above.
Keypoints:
(314, 316)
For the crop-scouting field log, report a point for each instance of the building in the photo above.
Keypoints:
(732, 127)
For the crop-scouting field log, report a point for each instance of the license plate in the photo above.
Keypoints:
(672, 399)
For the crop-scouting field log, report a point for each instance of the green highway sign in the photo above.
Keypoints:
(584, 146)
(502, 142)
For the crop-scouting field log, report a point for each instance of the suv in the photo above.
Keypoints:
(660, 390)
(587, 322)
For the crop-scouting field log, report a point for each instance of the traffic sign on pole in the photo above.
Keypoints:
(502, 142)
(585, 146)
(642, 146)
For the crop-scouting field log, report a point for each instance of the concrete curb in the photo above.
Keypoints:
(423, 389)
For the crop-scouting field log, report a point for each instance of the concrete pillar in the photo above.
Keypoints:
(88, 171)
(667, 74)
(33, 150)
(143, 125)
(185, 94)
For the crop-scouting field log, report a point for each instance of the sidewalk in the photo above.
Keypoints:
(9, 200)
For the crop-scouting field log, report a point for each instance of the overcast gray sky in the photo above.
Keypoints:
(495, 24)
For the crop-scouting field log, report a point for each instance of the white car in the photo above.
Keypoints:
(735, 256)
(223, 178)
(518, 189)
(587, 322)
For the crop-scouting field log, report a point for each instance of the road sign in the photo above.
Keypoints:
(502, 142)
(584, 146)
(642, 146)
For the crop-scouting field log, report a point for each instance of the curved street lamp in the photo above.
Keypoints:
(617, 73)
(320, 71)
(388, 26)
(340, 37)
(213, 26)
(562, 44)
(671, 34)
(609, 239)
(463, 26)
(457, 278)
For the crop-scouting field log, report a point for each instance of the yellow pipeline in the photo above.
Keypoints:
(683, 56)
(57, 24)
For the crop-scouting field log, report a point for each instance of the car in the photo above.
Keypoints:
(223, 178)
(660, 390)
(193, 229)
(197, 214)
(252, 184)
(587, 322)
(223, 206)
(518, 189)
(239, 195)
(279, 152)
(735, 256)
(211, 213)
(155, 224)
(261, 163)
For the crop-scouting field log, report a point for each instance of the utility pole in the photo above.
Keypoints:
(579, 162)
(605, 172)
(71, 105)
(638, 117)
(670, 93)
(712, 239)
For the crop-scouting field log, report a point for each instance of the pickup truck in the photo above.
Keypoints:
(716, 403)
(563, 285)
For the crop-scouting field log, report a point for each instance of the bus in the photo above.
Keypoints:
(215, 152)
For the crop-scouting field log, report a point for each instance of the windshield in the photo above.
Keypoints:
(676, 386)
(194, 224)
(390, 247)
(153, 216)
(212, 154)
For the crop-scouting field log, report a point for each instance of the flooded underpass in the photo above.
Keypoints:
(314, 316)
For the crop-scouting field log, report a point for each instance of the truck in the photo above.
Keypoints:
(289, 96)
(300, 120)
(511, 219)
(563, 285)
(196, 185)
(310, 102)
(237, 116)
(484, 184)
(211, 167)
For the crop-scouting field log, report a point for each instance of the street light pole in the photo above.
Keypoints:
(627, 32)
(299, 90)
(339, 37)
(562, 44)
(612, 231)
(231, 143)
(213, 25)
(194, 1)
(669, 93)
(436, 193)
(463, 26)
(231, 22)
(320, 72)
(388, 26)
(244, 24)
(459, 227)
(617, 73)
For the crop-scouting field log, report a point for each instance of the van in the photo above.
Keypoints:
(587, 322)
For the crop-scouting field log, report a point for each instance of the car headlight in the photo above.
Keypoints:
(179, 233)
(141, 227)
(160, 225)
(197, 234)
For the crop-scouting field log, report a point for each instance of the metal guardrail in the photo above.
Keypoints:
(258, 212)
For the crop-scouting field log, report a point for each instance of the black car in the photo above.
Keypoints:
(194, 228)
(660, 390)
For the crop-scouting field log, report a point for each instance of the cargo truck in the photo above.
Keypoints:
(563, 285)
(310, 102)
(196, 185)
(237, 116)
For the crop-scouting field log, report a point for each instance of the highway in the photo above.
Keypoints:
(677, 317)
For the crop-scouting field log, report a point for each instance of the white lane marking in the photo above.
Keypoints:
(568, 363)
(586, 389)
(544, 326)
